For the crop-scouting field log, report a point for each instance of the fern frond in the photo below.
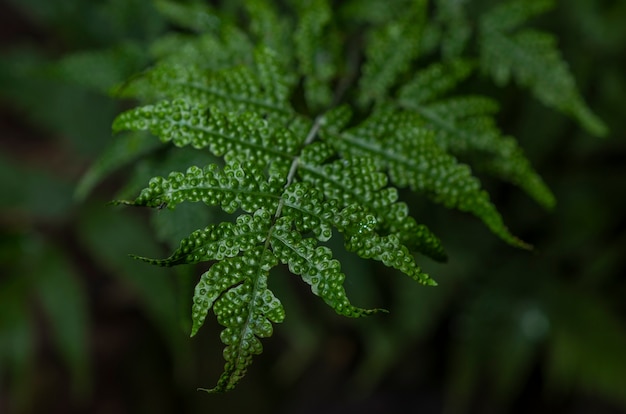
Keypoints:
(270, 28)
(315, 61)
(477, 138)
(194, 15)
(235, 186)
(236, 288)
(233, 89)
(357, 181)
(260, 102)
(511, 14)
(187, 123)
(225, 48)
(389, 52)
(464, 125)
(360, 205)
(316, 267)
(455, 27)
(532, 58)
(219, 241)
(363, 240)
(275, 82)
(435, 81)
(376, 12)
(412, 158)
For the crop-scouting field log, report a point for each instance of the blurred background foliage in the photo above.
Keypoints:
(84, 328)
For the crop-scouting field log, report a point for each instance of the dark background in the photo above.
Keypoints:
(85, 329)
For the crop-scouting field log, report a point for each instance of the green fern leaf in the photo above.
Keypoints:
(244, 306)
(220, 241)
(374, 12)
(510, 15)
(270, 28)
(275, 83)
(464, 125)
(532, 59)
(435, 81)
(410, 154)
(316, 267)
(194, 15)
(235, 186)
(235, 288)
(315, 62)
(364, 241)
(223, 47)
(476, 138)
(234, 89)
(389, 52)
(338, 179)
(119, 153)
(261, 104)
(186, 123)
(455, 27)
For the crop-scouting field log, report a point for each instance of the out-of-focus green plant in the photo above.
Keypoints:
(60, 87)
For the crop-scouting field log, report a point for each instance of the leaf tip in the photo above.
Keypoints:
(431, 282)
(141, 258)
(120, 203)
(522, 244)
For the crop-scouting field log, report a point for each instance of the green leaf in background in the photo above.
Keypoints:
(315, 60)
(100, 231)
(454, 25)
(532, 58)
(85, 23)
(17, 339)
(64, 301)
(389, 52)
(100, 70)
(586, 348)
(76, 117)
(194, 15)
(120, 152)
(32, 192)
(42, 277)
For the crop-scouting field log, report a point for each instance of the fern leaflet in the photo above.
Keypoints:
(464, 125)
(532, 59)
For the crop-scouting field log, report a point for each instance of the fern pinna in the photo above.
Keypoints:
(316, 117)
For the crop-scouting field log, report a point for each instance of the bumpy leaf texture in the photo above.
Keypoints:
(465, 126)
(296, 168)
